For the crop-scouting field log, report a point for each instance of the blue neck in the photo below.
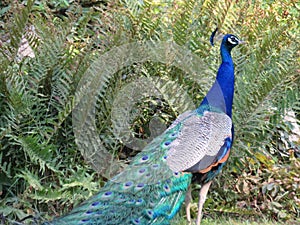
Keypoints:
(221, 93)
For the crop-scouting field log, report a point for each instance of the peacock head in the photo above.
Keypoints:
(230, 41)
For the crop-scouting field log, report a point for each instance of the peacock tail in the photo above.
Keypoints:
(146, 192)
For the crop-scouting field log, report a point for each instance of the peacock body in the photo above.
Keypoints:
(153, 187)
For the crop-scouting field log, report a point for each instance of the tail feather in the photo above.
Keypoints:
(154, 204)
(146, 192)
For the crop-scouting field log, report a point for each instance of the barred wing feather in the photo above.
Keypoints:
(199, 136)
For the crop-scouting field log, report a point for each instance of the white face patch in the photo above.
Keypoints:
(233, 40)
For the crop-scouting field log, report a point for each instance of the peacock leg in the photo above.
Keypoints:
(188, 200)
(202, 198)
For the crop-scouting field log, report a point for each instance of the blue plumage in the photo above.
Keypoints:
(153, 187)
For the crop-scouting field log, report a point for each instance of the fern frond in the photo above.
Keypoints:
(20, 23)
(39, 153)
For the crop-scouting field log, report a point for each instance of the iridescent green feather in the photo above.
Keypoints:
(146, 192)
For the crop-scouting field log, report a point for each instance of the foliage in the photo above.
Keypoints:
(42, 169)
(230, 221)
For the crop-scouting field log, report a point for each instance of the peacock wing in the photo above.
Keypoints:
(201, 138)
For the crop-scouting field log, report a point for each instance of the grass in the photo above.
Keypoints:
(230, 221)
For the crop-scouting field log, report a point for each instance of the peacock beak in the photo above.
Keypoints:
(241, 42)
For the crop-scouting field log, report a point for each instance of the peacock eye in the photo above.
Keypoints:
(233, 40)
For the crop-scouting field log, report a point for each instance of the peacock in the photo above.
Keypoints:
(194, 148)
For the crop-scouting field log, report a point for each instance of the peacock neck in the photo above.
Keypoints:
(220, 95)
